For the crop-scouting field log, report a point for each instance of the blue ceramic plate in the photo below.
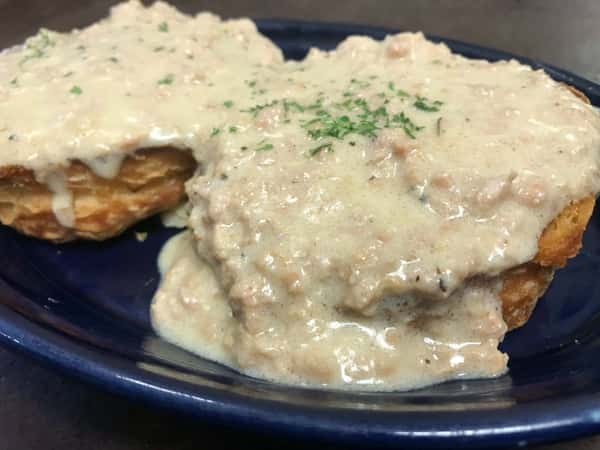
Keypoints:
(84, 308)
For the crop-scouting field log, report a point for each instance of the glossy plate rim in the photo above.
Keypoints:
(541, 421)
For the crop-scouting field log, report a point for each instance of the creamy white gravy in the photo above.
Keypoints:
(356, 220)
(412, 343)
(143, 77)
(352, 210)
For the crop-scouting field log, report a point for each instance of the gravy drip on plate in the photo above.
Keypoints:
(352, 213)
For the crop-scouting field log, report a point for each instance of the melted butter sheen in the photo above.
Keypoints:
(348, 204)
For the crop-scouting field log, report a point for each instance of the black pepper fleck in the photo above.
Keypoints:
(442, 285)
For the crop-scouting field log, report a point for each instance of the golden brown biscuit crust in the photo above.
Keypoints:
(149, 181)
(521, 289)
(560, 241)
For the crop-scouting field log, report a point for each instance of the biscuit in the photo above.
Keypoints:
(149, 181)
(560, 241)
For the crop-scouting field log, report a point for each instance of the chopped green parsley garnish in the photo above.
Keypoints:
(258, 108)
(228, 104)
(163, 27)
(168, 79)
(398, 92)
(365, 121)
(233, 129)
(353, 114)
(76, 90)
(37, 46)
(426, 105)
(264, 146)
(215, 131)
(316, 105)
(339, 127)
(360, 84)
(289, 105)
(407, 125)
(315, 151)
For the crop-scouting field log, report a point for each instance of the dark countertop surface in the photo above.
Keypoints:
(43, 409)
